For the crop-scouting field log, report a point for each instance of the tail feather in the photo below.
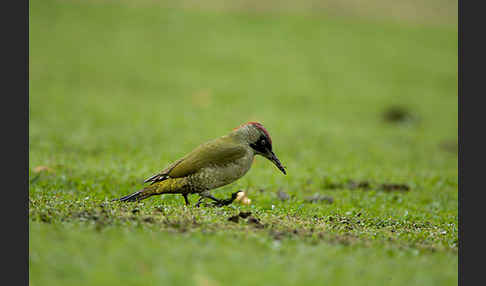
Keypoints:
(156, 178)
(130, 198)
(137, 196)
(174, 186)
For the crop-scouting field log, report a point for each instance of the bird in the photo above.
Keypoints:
(211, 165)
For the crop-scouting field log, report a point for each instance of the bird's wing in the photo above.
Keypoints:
(216, 152)
(162, 175)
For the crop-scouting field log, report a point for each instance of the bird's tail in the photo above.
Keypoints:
(177, 185)
(138, 195)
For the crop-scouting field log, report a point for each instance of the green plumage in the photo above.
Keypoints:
(216, 152)
(210, 165)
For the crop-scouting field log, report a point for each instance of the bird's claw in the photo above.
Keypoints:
(226, 202)
(219, 203)
(222, 203)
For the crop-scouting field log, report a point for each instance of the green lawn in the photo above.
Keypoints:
(119, 91)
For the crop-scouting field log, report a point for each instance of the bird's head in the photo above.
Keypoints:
(258, 139)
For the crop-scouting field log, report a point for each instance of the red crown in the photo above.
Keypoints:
(259, 126)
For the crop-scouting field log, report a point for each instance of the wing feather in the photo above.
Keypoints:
(220, 151)
(162, 175)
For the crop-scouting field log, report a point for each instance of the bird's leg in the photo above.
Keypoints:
(185, 199)
(217, 202)
(228, 201)
(204, 195)
(213, 198)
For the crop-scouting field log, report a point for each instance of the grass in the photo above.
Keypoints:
(118, 92)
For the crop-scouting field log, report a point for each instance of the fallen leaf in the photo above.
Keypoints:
(41, 168)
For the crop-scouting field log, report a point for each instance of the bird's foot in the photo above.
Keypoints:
(226, 202)
(217, 202)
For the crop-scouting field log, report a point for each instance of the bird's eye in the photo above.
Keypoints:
(263, 142)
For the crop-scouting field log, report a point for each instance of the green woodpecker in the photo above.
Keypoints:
(211, 165)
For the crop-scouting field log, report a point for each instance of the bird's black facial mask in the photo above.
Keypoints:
(263, 147)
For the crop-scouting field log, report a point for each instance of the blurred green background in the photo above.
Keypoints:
(348, 91)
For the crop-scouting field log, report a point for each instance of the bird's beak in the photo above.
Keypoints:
(272, 157)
